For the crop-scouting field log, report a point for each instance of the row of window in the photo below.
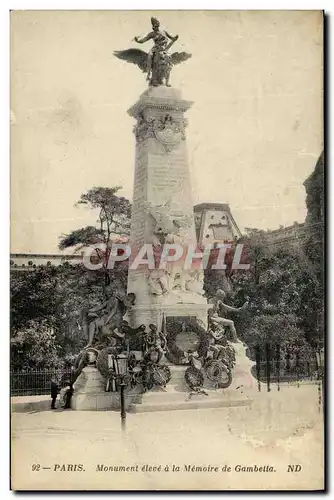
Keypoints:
(30, 263)
(223, 217)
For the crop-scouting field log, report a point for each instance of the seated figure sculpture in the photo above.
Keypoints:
(218, 308)
(108, 316)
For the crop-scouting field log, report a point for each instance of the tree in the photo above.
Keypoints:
(276, 287)
(35, 347)
(51, 299)
(314, 251)
(34, 297)
(114, 213)
(47, 303)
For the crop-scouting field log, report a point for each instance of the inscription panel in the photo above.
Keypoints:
(168, 178)
(139, 197)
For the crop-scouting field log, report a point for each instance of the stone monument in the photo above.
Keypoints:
(166, 311)
(162, 211)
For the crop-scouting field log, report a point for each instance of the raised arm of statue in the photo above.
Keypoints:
(232, 309)
(97, 308)
(174, 38)
(145, 39)
(112, 311)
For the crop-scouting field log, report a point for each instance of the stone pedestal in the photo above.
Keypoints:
(177, 396)
(156, 313)
(89, 393)
(162, 209)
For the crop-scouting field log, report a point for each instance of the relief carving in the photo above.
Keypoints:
(166, 129)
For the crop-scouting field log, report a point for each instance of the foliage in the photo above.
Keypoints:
(114, 214)
(280, 290)
(275, 330)
(34, 297)
(35, 347)
(314, 251)
(53, 298)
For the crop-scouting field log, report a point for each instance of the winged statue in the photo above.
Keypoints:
(158, 62)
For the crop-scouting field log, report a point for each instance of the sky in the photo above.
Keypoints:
(255, 128)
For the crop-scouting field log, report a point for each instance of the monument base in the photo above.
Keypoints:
(157, 313)
(178, 396)
(90, 394)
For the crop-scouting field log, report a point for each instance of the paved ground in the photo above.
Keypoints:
(280, 428)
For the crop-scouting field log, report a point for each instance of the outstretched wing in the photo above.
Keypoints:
(183, 222)
(179, 57)
(134, 56)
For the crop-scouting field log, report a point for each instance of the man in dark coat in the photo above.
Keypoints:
(54, 393)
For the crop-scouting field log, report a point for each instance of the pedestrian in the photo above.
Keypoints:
(54, 392)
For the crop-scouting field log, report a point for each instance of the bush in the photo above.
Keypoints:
(35, 347)
(276, 330)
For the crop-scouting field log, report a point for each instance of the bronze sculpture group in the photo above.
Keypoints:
(158, 62)
(109, 334)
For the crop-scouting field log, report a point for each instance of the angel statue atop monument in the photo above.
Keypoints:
(158, 62)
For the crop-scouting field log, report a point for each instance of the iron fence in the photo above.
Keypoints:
(307, 370)
(37, 382)
(274, 365)
(270, 366)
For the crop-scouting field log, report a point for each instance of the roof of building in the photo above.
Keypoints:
(212, 206)
(45, 256)
(299, 225)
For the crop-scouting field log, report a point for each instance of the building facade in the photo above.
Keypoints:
(292, 236)
(30, 261)
(215, 224)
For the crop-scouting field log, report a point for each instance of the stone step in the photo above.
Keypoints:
(177, 393)
(168, 395)
(194, 403)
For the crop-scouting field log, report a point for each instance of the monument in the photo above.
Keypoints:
(162, 211)
(163, 326)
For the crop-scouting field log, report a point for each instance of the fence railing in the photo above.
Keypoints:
(266, 369)
(31, 383)
(274, 365)
(305, 370)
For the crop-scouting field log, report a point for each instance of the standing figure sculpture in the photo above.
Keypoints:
(161, 43)
(158, 62)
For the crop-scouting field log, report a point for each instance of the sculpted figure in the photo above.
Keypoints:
(107, 316)
(158, 62)
(159, 282)
(195, 281)
(161, 41)
(218, 308)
